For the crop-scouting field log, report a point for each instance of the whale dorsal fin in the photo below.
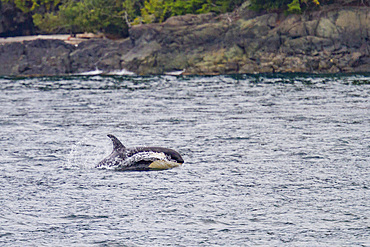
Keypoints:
(116, 143)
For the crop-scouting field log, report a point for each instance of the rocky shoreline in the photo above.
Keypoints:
(332, 40)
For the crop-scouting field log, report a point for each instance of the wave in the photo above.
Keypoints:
(101, 72)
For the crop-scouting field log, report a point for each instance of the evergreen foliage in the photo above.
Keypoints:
(31, 5)
(113, 15)
(290, 6)
(160, 10)
(85, 16)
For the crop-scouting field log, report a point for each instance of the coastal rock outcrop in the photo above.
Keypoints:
(39, 57)
(331, 40)
(316, 42)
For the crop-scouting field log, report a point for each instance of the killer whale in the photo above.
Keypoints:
(139, 158)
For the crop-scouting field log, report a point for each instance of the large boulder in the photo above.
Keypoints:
(10, 54)
(38, 57)
(355, 23)
(101, 54)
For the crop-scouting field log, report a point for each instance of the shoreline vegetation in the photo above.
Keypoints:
(314, 38)
(115, 17)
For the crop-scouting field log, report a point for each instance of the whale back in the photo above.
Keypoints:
(167, 151)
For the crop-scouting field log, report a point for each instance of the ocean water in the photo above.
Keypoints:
(270, 160)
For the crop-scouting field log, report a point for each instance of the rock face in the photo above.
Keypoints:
(327, 41)
(13, 22)
(55, 57)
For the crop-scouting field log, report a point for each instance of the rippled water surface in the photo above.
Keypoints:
(269, 161)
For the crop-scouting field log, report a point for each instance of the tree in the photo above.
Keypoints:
(291, 6)
(107, 16)
(31, 5)
(114, 16)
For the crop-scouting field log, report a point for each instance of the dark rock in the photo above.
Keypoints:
(87, 56)
(363, 64)
(104, 55)
(39, 57)
(189, 20)
(327, 29)
(355, 23)
(13, 22)
(297, 46)
(311, 27)
(46, 57)
(10, 55)
(289, 25)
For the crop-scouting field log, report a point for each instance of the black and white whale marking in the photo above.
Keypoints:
(139, 158)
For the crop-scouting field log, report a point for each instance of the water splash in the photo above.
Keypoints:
(93, 72)
(121, 72)
(84, 155)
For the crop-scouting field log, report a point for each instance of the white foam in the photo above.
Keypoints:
(120, 72)
(114, 72)
(177, 72)
(94, 72)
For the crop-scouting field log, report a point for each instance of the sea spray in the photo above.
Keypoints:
(84, 154)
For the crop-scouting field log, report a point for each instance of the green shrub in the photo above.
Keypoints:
(113, 16)
(30, 5)
(160, 10)
(110, 16)
(294, 7)
(290, 6)
(86, 16)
